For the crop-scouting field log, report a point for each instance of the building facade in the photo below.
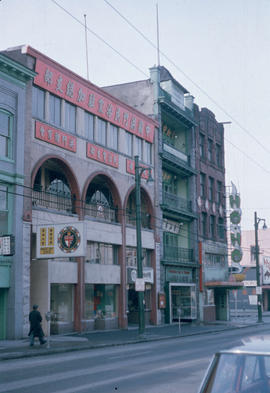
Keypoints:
(211, 202)
(13, 271)
(246, 298)
(167, 101)
(79, 205)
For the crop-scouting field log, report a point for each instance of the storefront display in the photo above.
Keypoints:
(180, 294)
(62, 306)
(101, 305)
(183, 302)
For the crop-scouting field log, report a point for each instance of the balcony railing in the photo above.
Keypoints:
(145, 219)
(101, 212)
(176, 202)
(178, 254)
(55, 201)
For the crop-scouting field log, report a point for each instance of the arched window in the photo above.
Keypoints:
(99, 200)
(51, 188)
(131, 211)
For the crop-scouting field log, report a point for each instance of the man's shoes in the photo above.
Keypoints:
(43, 342)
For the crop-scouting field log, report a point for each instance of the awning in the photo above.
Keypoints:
(224, 284)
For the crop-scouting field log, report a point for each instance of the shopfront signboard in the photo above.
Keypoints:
(181, 275)
(148, 275)
(60, 240)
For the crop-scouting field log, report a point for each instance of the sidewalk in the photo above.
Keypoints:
(15, 349)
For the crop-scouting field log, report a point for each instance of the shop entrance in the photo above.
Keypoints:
(3, 308)
(183, 301)
(133, 305)
(221, 304)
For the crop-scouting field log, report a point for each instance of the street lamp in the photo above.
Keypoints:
(259, 294)
(139, 170)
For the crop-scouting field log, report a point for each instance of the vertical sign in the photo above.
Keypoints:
(235, 228)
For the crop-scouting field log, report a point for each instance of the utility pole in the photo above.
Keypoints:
(257, 253)
(138, 173)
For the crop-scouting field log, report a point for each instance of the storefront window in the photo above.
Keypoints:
(102, 253)
(100, 301)
(62, 302)
(183, 301)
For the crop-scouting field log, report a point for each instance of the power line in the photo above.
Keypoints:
(188, 77)
(99, 38)
(174, 64)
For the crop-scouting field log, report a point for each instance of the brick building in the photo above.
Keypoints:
(211, 202)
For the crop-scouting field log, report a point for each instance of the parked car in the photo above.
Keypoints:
(244, 369)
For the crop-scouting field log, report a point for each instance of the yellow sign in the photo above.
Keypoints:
(47, 250)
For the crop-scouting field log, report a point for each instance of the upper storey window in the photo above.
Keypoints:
(129, 144)
(38, 103)
(113, 137)
(202, 146)
(70, 117)
(210, 150)
(101, 132)
(139, 147)
(55, 110)
(6, 124)
(218, 156)
(89, 126)
(148, 151)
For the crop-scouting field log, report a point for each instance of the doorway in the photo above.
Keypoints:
(3, 312)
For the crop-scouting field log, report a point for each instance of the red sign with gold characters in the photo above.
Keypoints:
(130, 168)
(71, 87)
(56, 137)
(102, 155)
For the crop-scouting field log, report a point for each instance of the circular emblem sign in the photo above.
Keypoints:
(69, 239)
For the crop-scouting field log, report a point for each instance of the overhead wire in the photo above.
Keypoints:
(99, 38)
(186, 234)
(188, 77)
(177, 67)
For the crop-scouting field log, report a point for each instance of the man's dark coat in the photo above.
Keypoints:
(35, 319)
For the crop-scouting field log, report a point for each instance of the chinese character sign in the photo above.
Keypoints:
(235, 219)
(56, 241)
(55, 137)
(89, 97)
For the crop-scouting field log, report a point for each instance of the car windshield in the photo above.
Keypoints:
(245, 373)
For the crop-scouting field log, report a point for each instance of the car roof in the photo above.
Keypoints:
(257, 345)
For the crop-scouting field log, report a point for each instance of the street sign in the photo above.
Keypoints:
(7, 245)
(250, 283)
(258, 290)
(140, 285)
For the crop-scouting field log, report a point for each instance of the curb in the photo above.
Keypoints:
(51, 351)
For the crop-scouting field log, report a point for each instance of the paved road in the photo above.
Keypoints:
(169, 366)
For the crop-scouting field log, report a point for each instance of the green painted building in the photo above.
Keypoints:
(13, 287)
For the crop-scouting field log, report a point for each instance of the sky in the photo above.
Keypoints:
(219, 50)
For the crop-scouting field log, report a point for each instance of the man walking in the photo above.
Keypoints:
(35, 319)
